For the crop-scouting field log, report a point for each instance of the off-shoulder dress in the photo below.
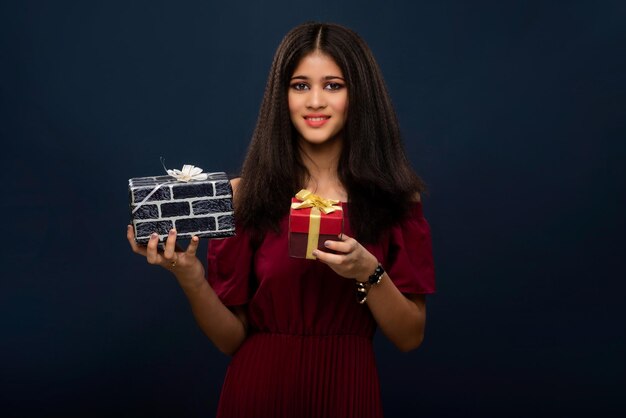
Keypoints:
(309, 352)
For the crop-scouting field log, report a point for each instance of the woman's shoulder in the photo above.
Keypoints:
(234, 184)
(415, 206)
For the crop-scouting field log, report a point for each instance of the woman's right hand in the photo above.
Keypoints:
(183, 263)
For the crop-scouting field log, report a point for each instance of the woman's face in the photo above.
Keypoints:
(318, 99)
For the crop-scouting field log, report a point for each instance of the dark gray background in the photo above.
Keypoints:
(512, 111)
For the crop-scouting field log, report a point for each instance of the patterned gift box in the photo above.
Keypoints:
(313, 220)
(194, 207)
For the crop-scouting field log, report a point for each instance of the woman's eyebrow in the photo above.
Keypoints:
(328, 77)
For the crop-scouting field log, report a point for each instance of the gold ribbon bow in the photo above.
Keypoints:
(309, 200)
(317, 204)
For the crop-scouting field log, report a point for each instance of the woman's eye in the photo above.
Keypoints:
(299, 86)
(334, 86)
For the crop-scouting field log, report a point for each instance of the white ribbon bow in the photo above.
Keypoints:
(188, 173)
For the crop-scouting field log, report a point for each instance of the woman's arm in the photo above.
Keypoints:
(226, 328)
(402, 319)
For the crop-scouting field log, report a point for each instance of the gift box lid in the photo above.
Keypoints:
(330, 224)
(216, 185)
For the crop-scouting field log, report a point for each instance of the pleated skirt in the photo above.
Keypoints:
(282, 375)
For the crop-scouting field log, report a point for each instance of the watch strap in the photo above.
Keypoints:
(375, 278)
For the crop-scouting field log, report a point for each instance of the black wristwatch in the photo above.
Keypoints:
(374, 279)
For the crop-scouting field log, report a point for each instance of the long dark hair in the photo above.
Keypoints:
(373, 166)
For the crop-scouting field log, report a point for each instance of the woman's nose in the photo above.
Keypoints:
(315, 99)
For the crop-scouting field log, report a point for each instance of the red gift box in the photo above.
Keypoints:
(310, 226)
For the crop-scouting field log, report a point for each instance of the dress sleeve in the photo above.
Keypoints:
(410, 258)
(229, 265)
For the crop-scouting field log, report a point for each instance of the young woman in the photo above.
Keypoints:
(301, 343)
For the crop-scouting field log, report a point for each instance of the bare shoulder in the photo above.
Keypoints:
(416, 197)
(234, 184)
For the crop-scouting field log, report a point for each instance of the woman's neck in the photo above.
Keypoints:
(322, 160)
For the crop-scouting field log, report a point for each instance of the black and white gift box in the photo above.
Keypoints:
(194, 207)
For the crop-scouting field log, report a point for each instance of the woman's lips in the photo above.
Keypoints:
(315, 121)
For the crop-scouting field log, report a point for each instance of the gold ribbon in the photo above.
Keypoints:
(315, 220)
(318, 205)
(309, 200)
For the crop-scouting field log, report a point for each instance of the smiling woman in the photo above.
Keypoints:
(301, 343)
(318, 100)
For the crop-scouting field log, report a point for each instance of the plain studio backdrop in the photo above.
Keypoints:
(512, 112)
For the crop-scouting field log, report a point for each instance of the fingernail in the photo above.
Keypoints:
(154, 235)
(326, 243)
(128, 226)
(172, 231)
(315, 253)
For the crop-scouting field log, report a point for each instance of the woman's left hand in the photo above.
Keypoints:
(352, 260)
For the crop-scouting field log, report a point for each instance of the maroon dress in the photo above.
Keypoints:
(309, 352)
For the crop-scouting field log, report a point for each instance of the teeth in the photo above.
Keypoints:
(317, 119)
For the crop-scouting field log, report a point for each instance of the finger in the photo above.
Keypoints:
(170, 245)
(344, 237)
(130, 235)
(328, 258)
(339, 246)
(193, 246)
(151, 250)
